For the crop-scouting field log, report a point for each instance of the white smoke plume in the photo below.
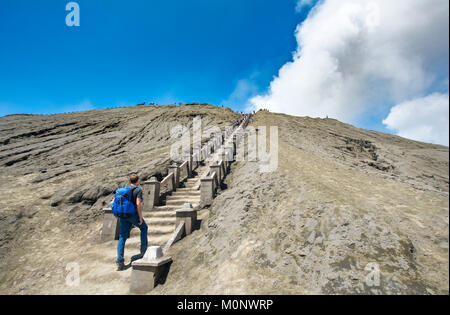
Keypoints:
(356, 57)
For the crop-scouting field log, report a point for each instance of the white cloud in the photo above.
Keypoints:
(355, 56)
(301, 4)
(423, 119)
(244, 90)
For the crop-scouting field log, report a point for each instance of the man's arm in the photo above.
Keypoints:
(139, 209)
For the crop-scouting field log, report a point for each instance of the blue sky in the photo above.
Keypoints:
(128, 52)
(376, 64)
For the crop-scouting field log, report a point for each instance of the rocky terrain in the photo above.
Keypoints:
(342, 199)
(59, 171)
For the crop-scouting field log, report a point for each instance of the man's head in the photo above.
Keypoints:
(134, 179)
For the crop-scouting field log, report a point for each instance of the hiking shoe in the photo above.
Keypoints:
(120, 266)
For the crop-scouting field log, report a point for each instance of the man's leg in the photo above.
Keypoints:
(144, 237)
(125, 226)
(144, 233)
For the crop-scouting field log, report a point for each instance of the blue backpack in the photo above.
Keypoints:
(123, 204)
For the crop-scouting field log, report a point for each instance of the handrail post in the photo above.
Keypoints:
(194, 161)
(216, 168)
(188, 216)
(111, 227)
(216, 141)
(237, 139)
(197, 159)
(176, 175)
(190, 166)
(230, 153)
(223, 157)
(206, 191)
(151, 193)
(224, 169)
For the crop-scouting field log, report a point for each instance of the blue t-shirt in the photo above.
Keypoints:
(137, 193)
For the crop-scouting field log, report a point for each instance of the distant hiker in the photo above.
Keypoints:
(127, 206)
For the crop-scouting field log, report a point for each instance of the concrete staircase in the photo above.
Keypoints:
(161, 219)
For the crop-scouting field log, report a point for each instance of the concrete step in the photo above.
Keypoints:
(181, 202)
(158, 240)
(162, 208)
(192, 181)
(191, 185)
(185, 196)
(193, 188)
(185, 190)
(160, 229)
(192, 192)
(161, 221)
(176, 204)
(154, 231)
(190, 189)
(178, 198)
(160, 214)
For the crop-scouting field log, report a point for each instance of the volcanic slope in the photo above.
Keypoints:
(343, 204)
(59, 171)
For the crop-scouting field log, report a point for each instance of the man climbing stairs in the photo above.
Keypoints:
(161, 219)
